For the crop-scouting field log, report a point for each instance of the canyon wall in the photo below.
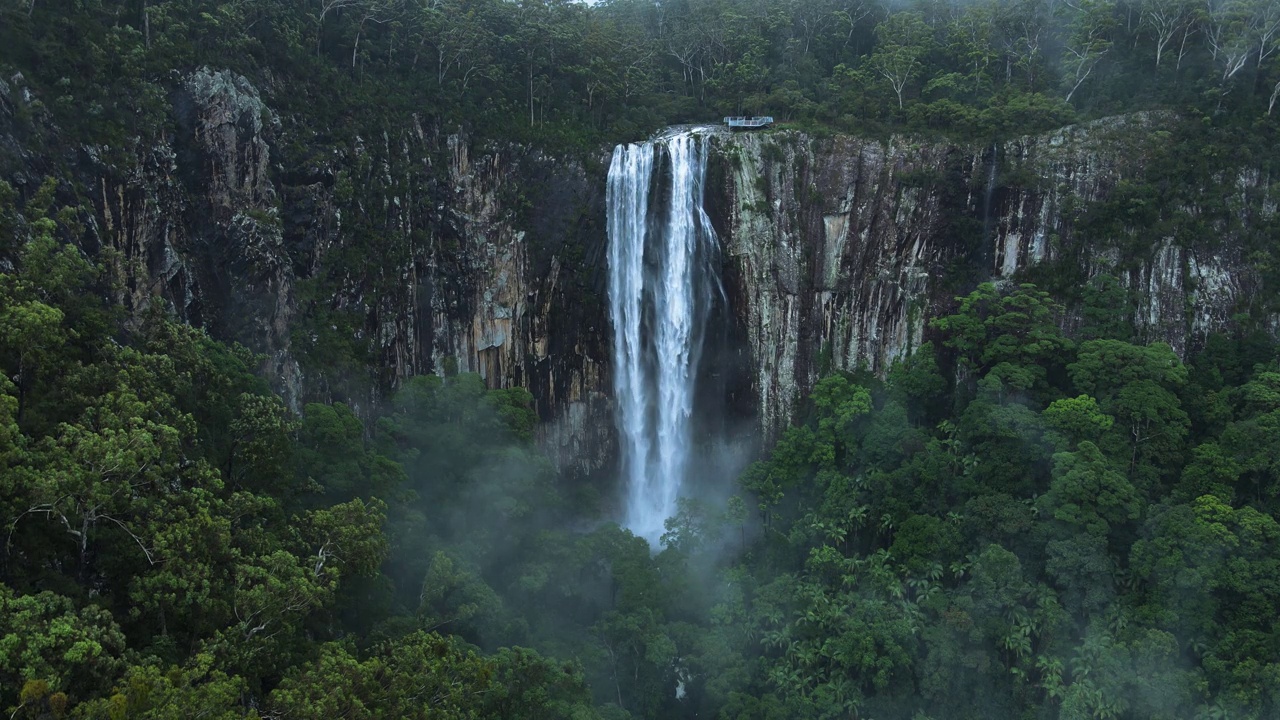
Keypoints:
(840, 250)
(355, 263)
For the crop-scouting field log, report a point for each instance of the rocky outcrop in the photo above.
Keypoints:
(526, 308)
(840, 250)
(415, 251)
(194, 219)
(1186, 285)
(833, 250)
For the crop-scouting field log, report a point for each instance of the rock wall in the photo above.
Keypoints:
(830, 254)
(840, 250)
(1185, 285)
(440, 251)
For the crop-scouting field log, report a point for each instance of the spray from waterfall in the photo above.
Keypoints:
(661, 279)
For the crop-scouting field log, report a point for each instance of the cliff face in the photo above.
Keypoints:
(424, 250)
(414, 250)
(840, 250)
(832, 259)
(1186, 284)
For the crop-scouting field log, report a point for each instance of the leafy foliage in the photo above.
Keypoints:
(1017, 523)
(570, 73)
(174, 540)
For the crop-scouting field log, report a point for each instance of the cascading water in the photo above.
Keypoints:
(661, 278)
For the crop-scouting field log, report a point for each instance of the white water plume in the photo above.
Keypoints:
(661, 275)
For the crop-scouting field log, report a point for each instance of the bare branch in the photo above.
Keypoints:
(145, 551)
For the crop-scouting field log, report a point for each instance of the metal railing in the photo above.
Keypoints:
(748, 122)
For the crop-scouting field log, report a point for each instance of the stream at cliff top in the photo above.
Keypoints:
(661, 280)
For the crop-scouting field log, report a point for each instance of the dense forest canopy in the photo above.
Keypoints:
(623, 68)
(1016, 522)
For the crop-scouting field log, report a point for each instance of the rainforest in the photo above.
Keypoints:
(383, 359)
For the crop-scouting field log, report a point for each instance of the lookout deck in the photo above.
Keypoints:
(748, 123)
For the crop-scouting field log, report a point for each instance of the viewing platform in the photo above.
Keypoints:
(748, 123)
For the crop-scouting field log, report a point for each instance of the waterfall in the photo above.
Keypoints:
(661, 277)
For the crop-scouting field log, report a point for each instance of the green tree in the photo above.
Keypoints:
(45, 639)
(1139, 387)
(1252, 441)
(1078, 419)
(333, 455)
(1087, 493)
(1013, 327)
(1089, 41)
(150, 692)
(902, 40)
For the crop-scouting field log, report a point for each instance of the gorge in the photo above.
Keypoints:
(388, 359)
(834, 252)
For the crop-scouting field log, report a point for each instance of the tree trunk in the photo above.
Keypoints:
(1182, 49)
(83, 570)
(320, 30)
